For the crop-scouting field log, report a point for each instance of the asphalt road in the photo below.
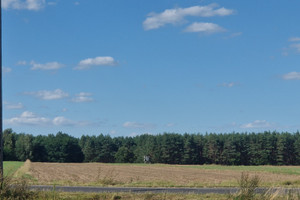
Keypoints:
(133, 189)
(88, 189)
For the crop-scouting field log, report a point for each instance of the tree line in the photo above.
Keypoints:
(266, 148)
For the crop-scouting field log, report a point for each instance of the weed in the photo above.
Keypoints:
(116, 197)
(15, 189)
(248, 185)
(108, 178)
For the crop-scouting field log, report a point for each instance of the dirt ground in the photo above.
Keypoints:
(142, 175)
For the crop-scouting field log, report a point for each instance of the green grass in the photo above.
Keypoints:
(291, 170)
(10, 167)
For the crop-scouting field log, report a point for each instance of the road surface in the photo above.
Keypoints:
(146, 190)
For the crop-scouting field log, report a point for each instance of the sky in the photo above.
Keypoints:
(125, 68)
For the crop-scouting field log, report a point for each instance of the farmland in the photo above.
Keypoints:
(157, 175)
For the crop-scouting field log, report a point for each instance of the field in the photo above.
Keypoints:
(156, 175)
(10, 167)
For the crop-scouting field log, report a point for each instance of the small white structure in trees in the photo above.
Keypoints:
(147, 159)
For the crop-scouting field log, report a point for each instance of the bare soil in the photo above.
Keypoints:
(144, 175)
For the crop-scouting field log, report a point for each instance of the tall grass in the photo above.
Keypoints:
(18, 189)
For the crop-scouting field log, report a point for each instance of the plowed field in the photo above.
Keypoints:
(153, 175)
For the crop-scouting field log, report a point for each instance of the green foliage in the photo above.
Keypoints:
(267, 148)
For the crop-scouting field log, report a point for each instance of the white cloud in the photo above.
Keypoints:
(83, 97)
(233, 35)
(257, 124)
(62, 121)
(6, 69)
(170, 125)
(231, 84)
(11, 106)
(46, 66)
(177, 15)
(22, 62)
(291, 76)
(296, 47)
(137, 125)
(294, 39)
(31, 119)
(97, 61)
(48, 95)
(24, 4)
(204, 27)
(27, 118)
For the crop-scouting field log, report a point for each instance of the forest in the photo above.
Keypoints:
(265, 148)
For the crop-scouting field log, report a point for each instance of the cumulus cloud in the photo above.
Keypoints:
(30, 119)
(48, 95)
(97, 61)
(11, 106)
(204, 28)
(83, 97)
(24, 4)
(27, 118)
(46, 66)
(257, 124)
(177, 15)
(62, 121)
(291, 76)
(137, 125)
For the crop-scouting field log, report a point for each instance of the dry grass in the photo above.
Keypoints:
(147, 175)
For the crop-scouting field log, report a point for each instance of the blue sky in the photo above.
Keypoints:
(131, 67)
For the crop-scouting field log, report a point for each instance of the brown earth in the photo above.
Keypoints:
(142, 175)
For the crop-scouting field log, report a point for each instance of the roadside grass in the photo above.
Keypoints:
(51, 195)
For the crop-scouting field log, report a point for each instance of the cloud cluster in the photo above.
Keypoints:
(294, 46)
(178, 16)
(204, 27)
(83, 97)
(60, 94)
(257, 124)
(31, 119)
(27, 118)
(24, 4)
(137, 125)
(11, 106)
(97, 61)
(291, 76)
(82, 65)
(46, 66)
(48, 95)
